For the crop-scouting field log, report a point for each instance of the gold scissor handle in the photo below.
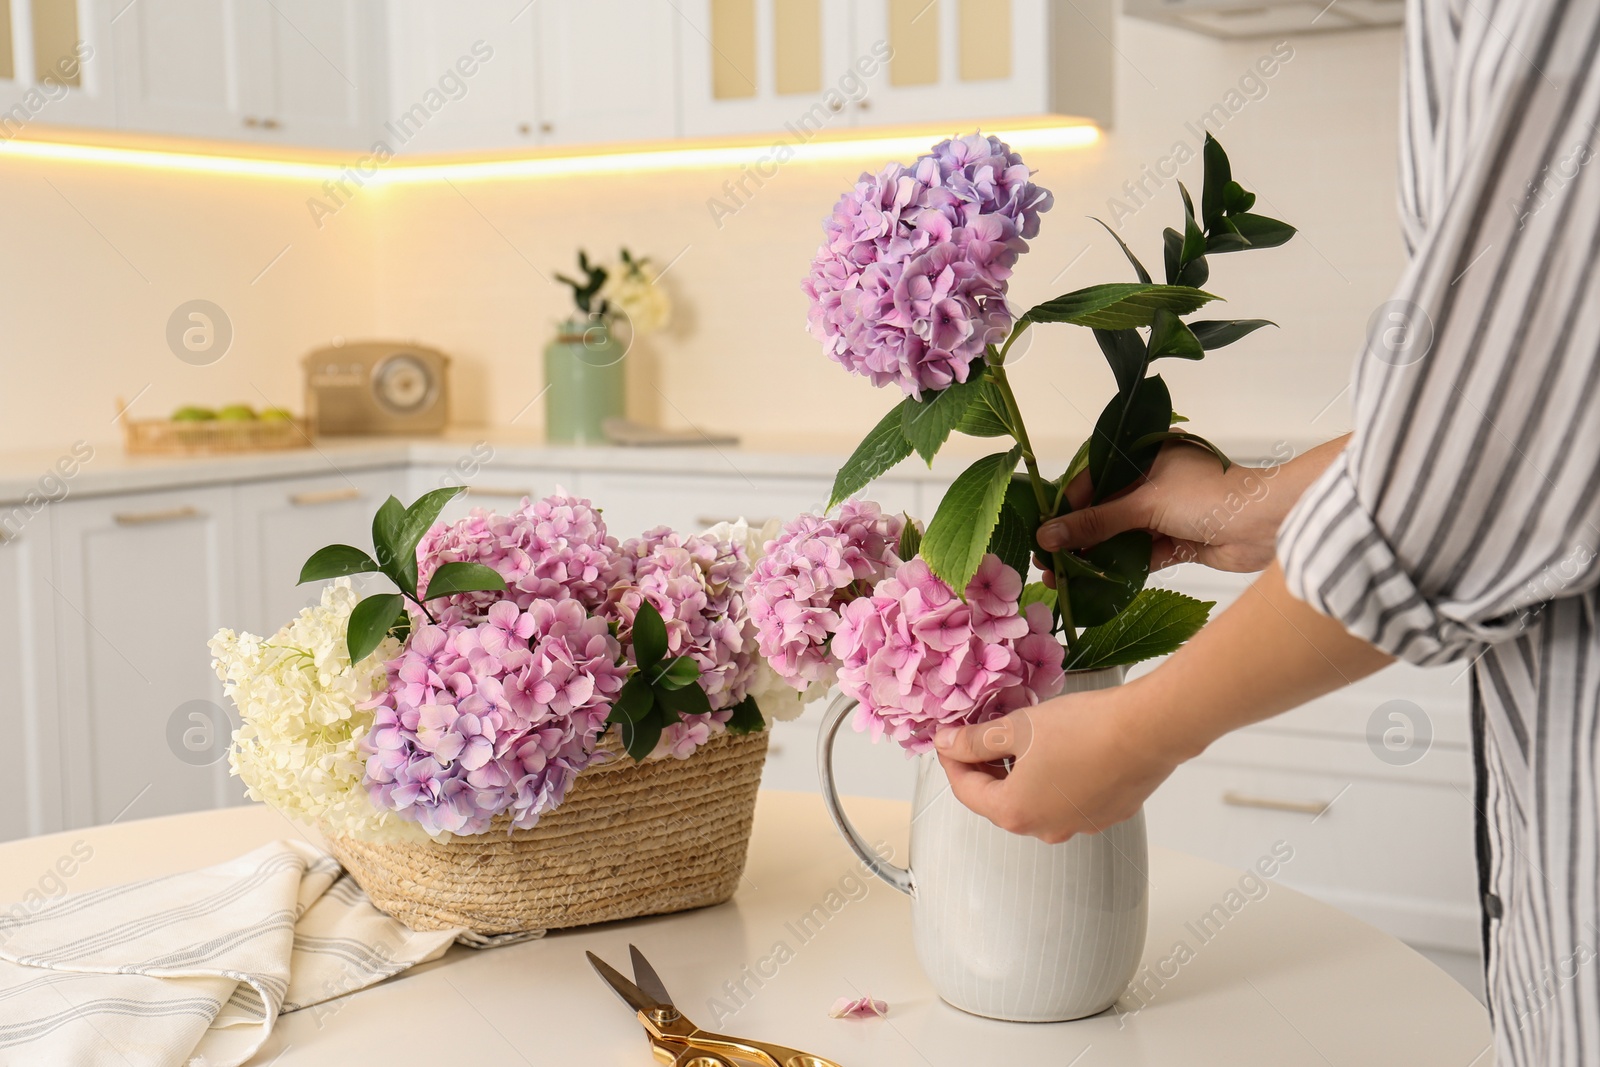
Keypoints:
(762, 1052)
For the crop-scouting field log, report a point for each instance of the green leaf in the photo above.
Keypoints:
(1036, 593)
(1261, 231)
(1195, 273)
(1138, 268)
(1125, 562)
(634, 701)
(386, 539)
(1158, 622)
(910, 539)
(423, 512)
(370, 622)
(747, 717)
(1171, 250)
(336, 561)
(1119, 305)
(986, 415)
(1219, 177)
(649, 636)
(1238, 201)
(955, 540)
(1218, 333)
(464, 578)
(1182, 435)
(880, 450)
(1126, 353)
(675, 673)
(1226, 237)
(689, 700)
(1114, 462)
(927, 424)
(639, 738)
(1170, 337)
(1079, 464)
(1194, 238)
(1014, 532)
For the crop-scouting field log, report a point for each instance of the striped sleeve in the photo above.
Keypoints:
(1469, 494)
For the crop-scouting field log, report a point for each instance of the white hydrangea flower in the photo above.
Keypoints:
(632, 289)
(299, 699)
(778, 700)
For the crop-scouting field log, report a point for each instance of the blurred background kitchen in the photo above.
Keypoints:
(269, 261)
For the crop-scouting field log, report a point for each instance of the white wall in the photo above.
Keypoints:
(467, 267)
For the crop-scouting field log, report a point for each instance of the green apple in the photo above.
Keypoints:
(190, 413)
(237, 413)
(276, 415)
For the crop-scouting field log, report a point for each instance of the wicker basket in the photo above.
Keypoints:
(165, 437)
(630, 840)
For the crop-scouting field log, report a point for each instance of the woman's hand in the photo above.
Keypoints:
(1194, 509)
(1076, 766)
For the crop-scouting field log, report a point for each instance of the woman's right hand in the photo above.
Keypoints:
(1194, 510)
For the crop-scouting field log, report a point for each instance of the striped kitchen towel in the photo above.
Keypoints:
(192, 970)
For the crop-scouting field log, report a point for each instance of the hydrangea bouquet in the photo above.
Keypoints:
(476, 692)
(909, 289)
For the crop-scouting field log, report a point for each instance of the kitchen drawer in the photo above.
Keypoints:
(496, 488)
(1390, 845)
(635, 501)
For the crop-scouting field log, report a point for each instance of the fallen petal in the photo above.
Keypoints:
(860, 1008)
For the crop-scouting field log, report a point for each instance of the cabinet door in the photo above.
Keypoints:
(55, 65)
(955, 59)
(486, 485)
(143, 580)
(461, 77)
(309, 72)
(607, 71)
(178, 67)
(757, 66)
(30, 795)
(280, 523)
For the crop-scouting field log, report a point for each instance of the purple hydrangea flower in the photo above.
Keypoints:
(909, 286)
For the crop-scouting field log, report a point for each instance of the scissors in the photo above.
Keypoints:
(677, 1041)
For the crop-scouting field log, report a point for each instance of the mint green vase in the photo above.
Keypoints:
(583, 370)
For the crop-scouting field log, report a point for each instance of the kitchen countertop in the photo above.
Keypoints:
(1285, 981)
(111, 470)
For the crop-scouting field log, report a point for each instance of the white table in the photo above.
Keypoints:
(1287, 981)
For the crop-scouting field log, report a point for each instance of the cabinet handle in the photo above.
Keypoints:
(147, 518)
(269, 124)
(495, 491)
(323, 496)
(251, 121)
(547, 127)
(524, 129)
(711, 520)
(1299, 807)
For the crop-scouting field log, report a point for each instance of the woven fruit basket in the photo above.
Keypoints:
(204, 437)
(630, 839)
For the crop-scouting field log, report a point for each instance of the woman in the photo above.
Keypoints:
(1459, 521)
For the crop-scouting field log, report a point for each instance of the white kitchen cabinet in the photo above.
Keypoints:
(462, 76)
(489, 485)
(281, 523)
(758, 66)
(30, 792)
(301, 72)
(55, 65)
(987, 59)
(607, 70)
(143, 580)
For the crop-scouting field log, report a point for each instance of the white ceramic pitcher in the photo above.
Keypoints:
(1006, 926)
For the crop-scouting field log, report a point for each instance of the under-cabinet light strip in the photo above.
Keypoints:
(397, 172)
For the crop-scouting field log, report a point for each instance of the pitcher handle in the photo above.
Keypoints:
(898, 877)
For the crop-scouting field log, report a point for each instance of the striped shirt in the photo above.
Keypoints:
(1462, 520)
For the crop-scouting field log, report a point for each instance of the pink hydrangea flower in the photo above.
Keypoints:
(812, 569)
(698, 586)
(549, 549)
(493, 717)
(918, 658)
(909, 286)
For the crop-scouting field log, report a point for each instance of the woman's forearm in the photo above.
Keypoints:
(1266, 653)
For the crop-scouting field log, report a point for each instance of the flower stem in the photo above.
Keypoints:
(1041, 488)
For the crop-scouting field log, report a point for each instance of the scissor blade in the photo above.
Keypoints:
(649, 981)
(631, 994)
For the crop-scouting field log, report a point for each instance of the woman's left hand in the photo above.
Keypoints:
(1076, 766)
